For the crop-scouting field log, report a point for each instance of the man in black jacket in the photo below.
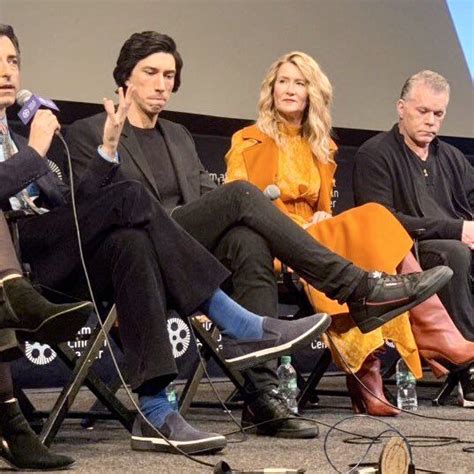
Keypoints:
(241, 227)
(429, 185)
(136, 255)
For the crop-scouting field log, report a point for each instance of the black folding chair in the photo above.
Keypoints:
(291, 292)
(81, 366)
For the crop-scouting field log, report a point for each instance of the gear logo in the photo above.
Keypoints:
(39, 354)
(179, 335)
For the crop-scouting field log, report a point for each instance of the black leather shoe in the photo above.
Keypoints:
(272, 406)
(466, 388)
(391, 295)
(179, 433)
(279, 337)
(25, 310)
(20, 446)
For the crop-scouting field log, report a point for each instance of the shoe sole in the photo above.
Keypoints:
(36, 469)
(61, 326)
(254, 358)
(309, 433)
(206, 445)
(374, 323)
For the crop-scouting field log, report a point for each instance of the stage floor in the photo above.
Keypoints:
(106, 448)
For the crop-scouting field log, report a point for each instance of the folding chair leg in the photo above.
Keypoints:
(98, 405)
(209, 350)
(449, 385)
(314, 378)
(81, 374)
(192, 384)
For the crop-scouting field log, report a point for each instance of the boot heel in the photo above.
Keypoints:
(439, 370)
(358, 406)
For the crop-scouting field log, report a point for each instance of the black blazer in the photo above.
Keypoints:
(26, 167)
(85, 135)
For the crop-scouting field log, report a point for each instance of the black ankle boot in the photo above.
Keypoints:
(23, 309)
(466, 387)
(19, 445)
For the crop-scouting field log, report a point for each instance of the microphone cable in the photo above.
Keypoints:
(106, 336)
(226, 410)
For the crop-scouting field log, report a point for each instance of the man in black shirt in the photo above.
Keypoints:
(429, 185)
(241, 227)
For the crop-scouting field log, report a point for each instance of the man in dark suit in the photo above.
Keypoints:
(136, 256)
(235, 222)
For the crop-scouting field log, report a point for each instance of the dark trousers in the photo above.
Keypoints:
(457, 294)
(246, 231)
(8, 260)
(137, 256)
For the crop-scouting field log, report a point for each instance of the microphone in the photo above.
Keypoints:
(30, 103)
(272, 192)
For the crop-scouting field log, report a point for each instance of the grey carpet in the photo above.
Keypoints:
(106, 449)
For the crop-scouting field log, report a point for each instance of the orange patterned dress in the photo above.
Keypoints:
(370, 236)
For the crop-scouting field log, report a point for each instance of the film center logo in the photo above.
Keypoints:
(43, 354)
(39, 354)
(180, 336)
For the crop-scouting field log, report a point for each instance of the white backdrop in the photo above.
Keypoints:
(367, 48)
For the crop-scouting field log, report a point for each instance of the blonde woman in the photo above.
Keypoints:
(290, 146)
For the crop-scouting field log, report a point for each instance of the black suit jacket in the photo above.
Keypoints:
(26, 167)
(85, 135)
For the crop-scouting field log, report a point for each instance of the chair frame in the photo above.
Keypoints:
(81, 367)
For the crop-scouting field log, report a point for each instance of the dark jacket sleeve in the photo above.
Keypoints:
(373, 181)
(22, 169)
(468, 181)
(90, 171)
(27, 166)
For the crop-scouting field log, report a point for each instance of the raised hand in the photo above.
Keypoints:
(115, 119)
(42, 130)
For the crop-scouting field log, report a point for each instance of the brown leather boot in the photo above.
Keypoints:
(362, 400)
(439, 340)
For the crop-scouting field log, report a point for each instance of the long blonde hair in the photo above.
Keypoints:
(316, 127)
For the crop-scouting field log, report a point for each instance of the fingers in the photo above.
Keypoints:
(118, 115)
(110, 110)
(45, 122)
(43, 127)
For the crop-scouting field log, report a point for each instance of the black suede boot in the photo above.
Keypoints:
(20, 446)
(23, 309)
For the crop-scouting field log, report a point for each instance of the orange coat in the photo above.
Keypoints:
(369, 236)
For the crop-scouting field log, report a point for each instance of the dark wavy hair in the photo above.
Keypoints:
(7, 30)
(141, 45)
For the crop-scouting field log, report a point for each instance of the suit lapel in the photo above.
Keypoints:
(176, 160)
(130, 147)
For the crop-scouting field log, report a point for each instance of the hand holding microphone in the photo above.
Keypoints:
(44, 124)
(43, 127)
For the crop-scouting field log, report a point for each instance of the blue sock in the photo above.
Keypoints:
(155, 407)
(231, 319)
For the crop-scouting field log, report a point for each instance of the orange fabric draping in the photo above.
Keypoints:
(370, 236)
